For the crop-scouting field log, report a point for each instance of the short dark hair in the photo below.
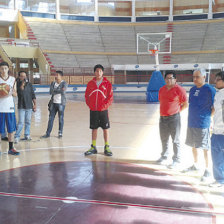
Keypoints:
(98, 66)
(4, 63)
(59, 72)
(171, 72)
(19, 73)
(221, 75)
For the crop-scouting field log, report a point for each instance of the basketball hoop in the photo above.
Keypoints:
(153, 52)
(154, 44)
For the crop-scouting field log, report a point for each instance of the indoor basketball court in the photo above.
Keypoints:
(53, 182)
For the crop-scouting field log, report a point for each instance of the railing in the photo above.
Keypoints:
(79, 70)
(113, 78)
(19, 42)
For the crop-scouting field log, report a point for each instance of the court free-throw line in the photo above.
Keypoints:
(123, 204)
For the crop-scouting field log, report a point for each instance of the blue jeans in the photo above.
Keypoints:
(24, 116)
(4, 134)
(170, 126)
(60, 109)
(217, 145)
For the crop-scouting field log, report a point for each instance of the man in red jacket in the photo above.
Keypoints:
(99, 96)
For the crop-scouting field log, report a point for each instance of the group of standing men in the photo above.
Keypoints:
(22, 88)
(203, 103)
(99, 96)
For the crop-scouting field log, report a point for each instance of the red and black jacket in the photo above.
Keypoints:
(99, 98)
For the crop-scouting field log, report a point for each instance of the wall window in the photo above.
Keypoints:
(48, 6)
(115, 8)
(7, 4)
(218, 6)
(183, 7)
(78, 7)
(152, 7)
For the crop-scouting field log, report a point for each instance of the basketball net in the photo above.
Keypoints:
(155, 53)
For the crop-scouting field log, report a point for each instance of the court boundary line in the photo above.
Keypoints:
(109, 203)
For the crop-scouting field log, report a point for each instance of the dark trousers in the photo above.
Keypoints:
(170, 126)
(60, 109)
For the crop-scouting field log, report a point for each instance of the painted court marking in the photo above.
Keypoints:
(123, 204)
(67, 147)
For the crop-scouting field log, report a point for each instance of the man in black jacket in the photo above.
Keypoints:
(26, 104)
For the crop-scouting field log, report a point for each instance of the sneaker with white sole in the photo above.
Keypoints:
(91, 151)
(206, 176)
(27, 138)
(163, 160)
(192, 168)
(16, 140)
(216, 184)
(175, 165)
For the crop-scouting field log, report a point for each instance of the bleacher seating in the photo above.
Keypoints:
(86, 45)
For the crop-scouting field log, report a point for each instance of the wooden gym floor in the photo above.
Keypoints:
(52, 182)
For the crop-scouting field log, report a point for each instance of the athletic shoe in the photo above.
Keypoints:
(91, 151)
(45, 136)
(13, 152)
(206, 176)
(175, 165)
(16, 140)
(216, 184)
(4, 138)
(190, 169)
(107, 151)
(27, 138)
(163, 160)
(60, 135)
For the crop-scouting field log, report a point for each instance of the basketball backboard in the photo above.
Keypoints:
(156, 41)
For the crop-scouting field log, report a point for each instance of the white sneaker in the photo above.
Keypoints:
(16, 140)
(27, 138)
(216, 184)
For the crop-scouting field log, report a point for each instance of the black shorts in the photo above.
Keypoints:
(99, 119)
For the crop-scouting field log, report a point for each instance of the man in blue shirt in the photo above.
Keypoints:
(201, 99)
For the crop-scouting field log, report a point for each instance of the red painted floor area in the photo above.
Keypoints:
(101, 193)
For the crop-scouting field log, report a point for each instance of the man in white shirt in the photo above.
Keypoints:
(7, 107)
(217, 140)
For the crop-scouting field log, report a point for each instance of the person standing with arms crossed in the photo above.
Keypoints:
(99, 96)
(201, 99)
(7, 107)
(173, 99)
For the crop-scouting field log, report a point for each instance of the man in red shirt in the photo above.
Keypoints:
(99, 96)
(173, 99)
